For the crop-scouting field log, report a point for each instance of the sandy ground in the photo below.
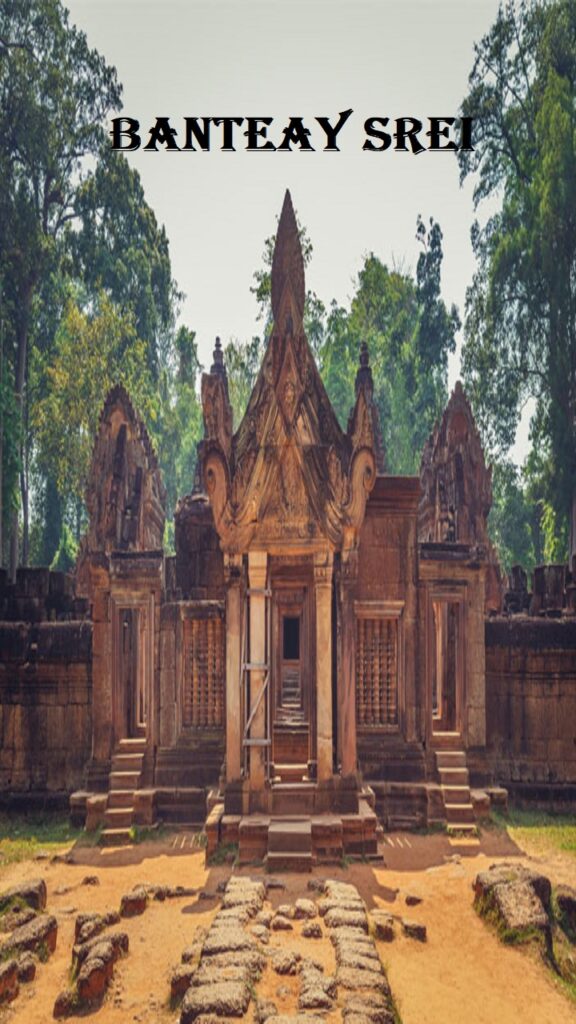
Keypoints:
(462, 975)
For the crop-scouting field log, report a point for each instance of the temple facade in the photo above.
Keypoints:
(329, 651)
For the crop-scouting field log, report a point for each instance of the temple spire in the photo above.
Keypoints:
(288, 288)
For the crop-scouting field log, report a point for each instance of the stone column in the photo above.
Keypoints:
(233, 572)
(347, 681)
(323, 597)
(257, 572)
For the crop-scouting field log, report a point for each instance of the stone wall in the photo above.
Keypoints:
(45, 705)
(531, 706)
(45, 686)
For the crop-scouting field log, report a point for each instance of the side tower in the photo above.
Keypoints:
(288, 493)
(120, 570)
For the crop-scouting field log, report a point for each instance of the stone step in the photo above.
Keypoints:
(447, 741)
(450, 759)
(124, 780)
(116, 837)
(119, 817)
(456, 794)
(459, 813)
(454, 776)
(290, 837)
(278, 861)
(132, 745)
(453, 828)
(120, 798)
(127, 762)
(293, 798)
(290, 772)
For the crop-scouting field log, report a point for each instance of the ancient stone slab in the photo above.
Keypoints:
(26, 968)
(227, 939)
(134, 902)
(281, 924)
(37, 936)
(265, 1008)
(519, 908)
(312, 930)
(346, 919)
(89, 925)
(286, 961)
(8, 981)
(304, 908)
(32, 893)
(413, 930)
(486, 882)
(383, 925)
(350, 978)
(180, 981)
(226, 999)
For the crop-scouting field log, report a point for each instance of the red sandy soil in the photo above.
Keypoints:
(462, 975)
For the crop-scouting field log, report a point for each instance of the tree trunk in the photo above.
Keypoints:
(21, 364)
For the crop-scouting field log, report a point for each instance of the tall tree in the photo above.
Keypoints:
(54, 95)
(521, 308)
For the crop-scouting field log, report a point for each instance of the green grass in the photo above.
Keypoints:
(226, 853)
(539, 831)
(22, 836)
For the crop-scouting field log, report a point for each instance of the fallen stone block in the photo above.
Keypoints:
(134, 903)
(118, 940)
(286, 961)
(9, 987)
(347, 977)
(346, 919)
(519, 909)
(87, 926)
(180, 981)
(383, 925)
(226, 939)
(304, 908)
(412, 899)
(265, 1008)
(37, 936)
(250, 960)
(312, 930)
(413, 930)
(280, 923)
(26, 968)
(32, 893)
(226, 999)
(13, 919)
(66, 1004)
(314, 999)
(486, 882)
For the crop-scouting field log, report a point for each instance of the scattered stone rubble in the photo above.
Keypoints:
(93, 958)
(29, 935)
(219, 976)
(520, 902)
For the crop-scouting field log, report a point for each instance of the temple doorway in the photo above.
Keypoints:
(446, 664)
(131, 661)
(292, 678)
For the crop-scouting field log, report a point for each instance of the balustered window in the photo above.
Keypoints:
(377, 670)
(203, 703)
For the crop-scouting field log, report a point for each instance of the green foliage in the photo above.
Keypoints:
(23, 836)
(512, 518)
(65, 558)
(520, 321)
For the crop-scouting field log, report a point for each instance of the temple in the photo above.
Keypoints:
(331, 650)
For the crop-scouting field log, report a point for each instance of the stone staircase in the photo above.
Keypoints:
(125, 778)
(455, 785)
(289, 845)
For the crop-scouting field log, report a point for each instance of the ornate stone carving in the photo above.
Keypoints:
(125, 494)
(289, 472)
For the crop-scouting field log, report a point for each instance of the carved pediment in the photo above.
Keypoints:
(125, 494)
(290, 471)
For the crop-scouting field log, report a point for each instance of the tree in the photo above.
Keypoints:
(512, 523)
(54, 95)
(520, 339)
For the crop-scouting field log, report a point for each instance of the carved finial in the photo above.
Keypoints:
(364, 374)
(287, 263)
(218, 356)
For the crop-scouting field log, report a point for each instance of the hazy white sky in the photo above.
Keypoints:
(281, 59)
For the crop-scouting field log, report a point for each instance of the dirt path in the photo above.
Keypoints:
(462, 975)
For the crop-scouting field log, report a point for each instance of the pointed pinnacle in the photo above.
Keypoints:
(287, 262)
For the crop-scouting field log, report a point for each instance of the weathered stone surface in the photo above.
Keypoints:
(566, 903)
(312, 930)
(250, 960)
(239, 915)
(65, 1004)
(281, 924)
(304, 908)
(345, 951)
(486, 882)
(89, 925)
(118, 940)
(15, 919)
(285, 910)
(264, 917)
(8, 981)
(31, 893)
(383, 925)
(226, 999)
(134, 902)
(369, 1008)
(316, 884)
(26, 968)
(413, 930)
(227, 939)
(274, 883)
(96, 960)
(346, 919)
(37, 936)
(286, 961)
(260, 933)
(265, 1008)
(314, 999)
(354, 960)
(174, 892)
(180, 981)
(347, 977)
(314, 980)
(519, 908)
(297, 1018)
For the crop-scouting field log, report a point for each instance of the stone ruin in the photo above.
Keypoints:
(329, 641)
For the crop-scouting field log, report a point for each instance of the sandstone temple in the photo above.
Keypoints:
(331, 649)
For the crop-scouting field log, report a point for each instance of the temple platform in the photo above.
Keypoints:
(295, 842)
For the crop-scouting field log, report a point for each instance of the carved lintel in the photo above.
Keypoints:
(232, 569)
(323, 568)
